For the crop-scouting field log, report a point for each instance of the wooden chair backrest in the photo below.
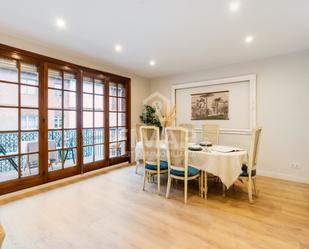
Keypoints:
(177, 148)
(254, 148)
(210, 132)
(151, 144)
(2, 235)
(138, 137)
(190, 128)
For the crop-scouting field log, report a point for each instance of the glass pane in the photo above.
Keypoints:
(112, 89)
(98, 87)
(121, 119)
(29, 96)
(29, 142)
(54, 160)
(87, 119)
(69, 100)
(54, 140)
(69, 158)
(87, 136)
(112, 104)
(87, 85)
(69, 119)
(8, 168)
(69, 138)
(54, 99)
(113, 134)
(8, 70)
(8, 119)
(29, 74)
(29, 119)
(8, 94)
(87, 101)
(54, 119)
(98, 152)
(88, 154)
(112, 119)
(98, 136)
(122, 148)
(121, 90)
(112, 150)
(69, 82)
(98, 103)
(54, 79)
(98, 118)
(29, 165)
(122, 134)
(8, 143)
(121, 104)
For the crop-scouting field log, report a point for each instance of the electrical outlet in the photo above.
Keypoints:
(295, 166)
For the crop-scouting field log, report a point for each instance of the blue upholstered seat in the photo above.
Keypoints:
(163, 166)
(244, 169)
(191, 172)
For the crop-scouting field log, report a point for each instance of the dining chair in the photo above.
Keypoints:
(249, 170)
(177, 158)
(190, 128)
(151, 154)
(2, 235)
(137, 139)
(210, 132)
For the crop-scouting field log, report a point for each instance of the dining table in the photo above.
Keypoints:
(221, 161)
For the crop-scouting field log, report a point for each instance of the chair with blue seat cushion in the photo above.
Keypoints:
(249, 170)
(151, 154)
(151, 166)
(177, 158)
(191, 172)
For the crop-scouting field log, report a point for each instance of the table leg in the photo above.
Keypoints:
(203, 185)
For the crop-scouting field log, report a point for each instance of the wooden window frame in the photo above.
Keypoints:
(43, 63)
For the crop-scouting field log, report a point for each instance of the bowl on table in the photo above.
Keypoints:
(205, 143)
(195, 148)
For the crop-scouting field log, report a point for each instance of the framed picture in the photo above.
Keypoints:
(210, 106)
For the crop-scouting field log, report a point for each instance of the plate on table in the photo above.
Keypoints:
(205, 143)
(195, 148)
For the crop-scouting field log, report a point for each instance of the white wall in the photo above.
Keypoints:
(140, 87)
(282, 102)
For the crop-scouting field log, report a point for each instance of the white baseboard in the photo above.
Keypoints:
(283, 176)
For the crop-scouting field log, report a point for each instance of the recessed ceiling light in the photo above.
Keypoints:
(234, 6)
(249, 39)
(60, 22)
(118, 48)
(152, 63)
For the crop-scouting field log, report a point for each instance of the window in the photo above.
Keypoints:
(19, 120)
(62, 120)
(57, 119)
(117, 120)
(93, 119)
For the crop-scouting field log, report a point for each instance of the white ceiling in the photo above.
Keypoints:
(181, 35)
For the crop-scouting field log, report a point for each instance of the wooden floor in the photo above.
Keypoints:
(111, 211)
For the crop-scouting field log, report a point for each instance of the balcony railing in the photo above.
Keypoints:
(9, 143)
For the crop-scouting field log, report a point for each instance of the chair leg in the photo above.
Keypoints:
(250, 191)
(136, 167)
(223, 190)
(169, 179)
(186, 190)
(158, 183)
(254, 187)
(145, 178)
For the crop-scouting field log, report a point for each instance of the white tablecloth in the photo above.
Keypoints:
(227, 166)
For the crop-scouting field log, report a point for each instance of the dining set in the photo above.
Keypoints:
(176, 154)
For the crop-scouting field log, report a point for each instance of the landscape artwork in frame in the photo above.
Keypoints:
(210, 106)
